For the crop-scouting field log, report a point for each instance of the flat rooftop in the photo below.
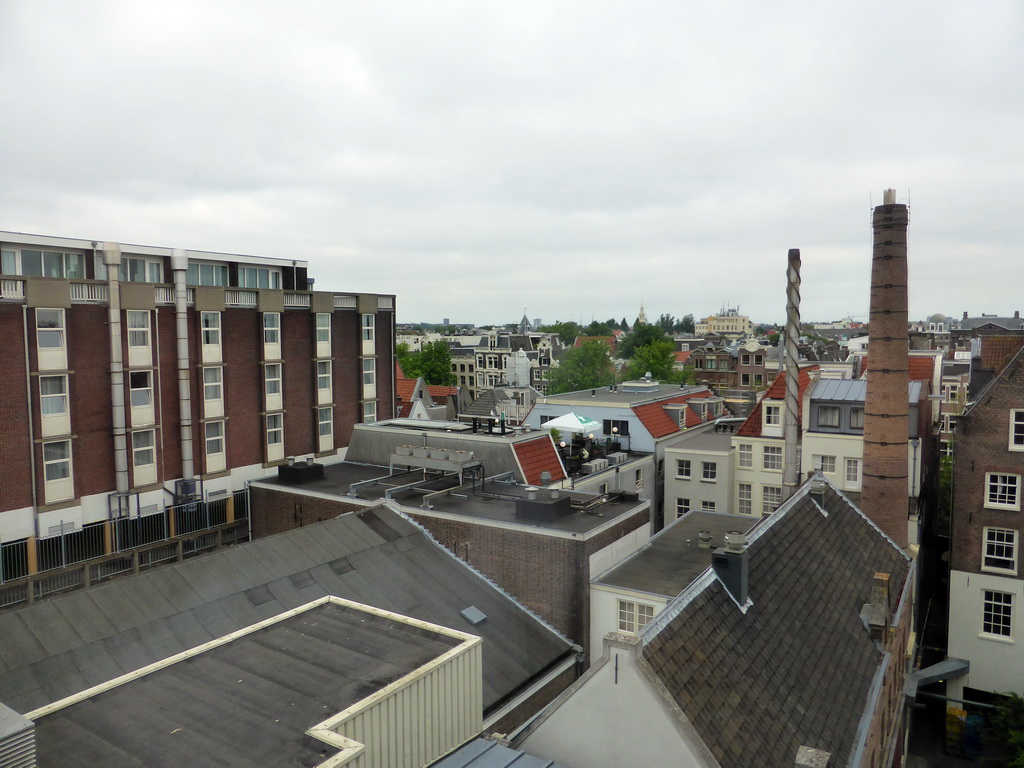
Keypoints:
(707, 440)
(245, 702)
(492, 501)
(673, 558)
(622, 395)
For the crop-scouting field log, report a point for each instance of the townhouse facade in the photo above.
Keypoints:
(146, 378)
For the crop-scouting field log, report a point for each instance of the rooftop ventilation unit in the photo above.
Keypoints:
(594, 466)
(617, 458)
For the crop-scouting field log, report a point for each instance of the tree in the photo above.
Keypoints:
(666, 322)
(567, 331)
(597, 329)
(624, 326)
(686, 324)
(1006, 733)
(407, 360)
(587, 366)
(435, 364)
(641, 336)
(657, 358)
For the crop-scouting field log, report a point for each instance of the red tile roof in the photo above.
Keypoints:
(440, 392)
(659, 422)
(997, 351)
(538, 455)
(682, 357)
(404, 389)
(777, 391)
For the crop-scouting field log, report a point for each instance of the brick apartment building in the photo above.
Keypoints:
(140, 379)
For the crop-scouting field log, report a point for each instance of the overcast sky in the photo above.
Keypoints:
(570, 158)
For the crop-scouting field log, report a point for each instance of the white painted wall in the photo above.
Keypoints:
(721, 491)
(612, 720)
(604, 610)
(617, 551)
(997, 663)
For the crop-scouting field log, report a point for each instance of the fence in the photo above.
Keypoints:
(75, 559)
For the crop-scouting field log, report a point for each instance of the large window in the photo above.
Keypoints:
(369, 371)
(368, 327)
(771, 498)
(1000, 550)
(201, 273)
(53, 395)
(259, 277)
(135, 269)
(323, 374)
(323, 328)
(214, 438)
(32, 263)
(213, 383)
(325, 421)
(746, 499)
(615, 427)
(273, 378)
(50, 328)
(369, 412)
(856, 418)
(140, 384)
(1002, 491)
(682, 507)
(997, 613)
(275, 428)
(683, 469)
(143, 448)
(634, 616)
(746, 455)
(271, 327)
(853, 471)
(826, 464)
(828, 416)
(57, 460)
(773, 415)
(708, 471)
(211, 328)
(772, 457)
(138, 328)
(1017, 430)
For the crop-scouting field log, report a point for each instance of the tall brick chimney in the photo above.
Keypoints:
(886, 413)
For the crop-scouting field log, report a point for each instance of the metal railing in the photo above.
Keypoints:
(234, 297)
(345, 302)
(12, 290)
(301, 300)
(91, 291)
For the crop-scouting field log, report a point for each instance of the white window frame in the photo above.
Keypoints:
(140, 389)
(215, 444)
(999, 550)
(58, 471)
(273, 379)
(1017, 429)
(745, 498)
(207, 273)
(772, 415)
(210, 322)
(996, 613)
(275, 429)
(271, 327)
(144, 456)
(152, 270)
(325, 421)
(70, 266)
(48, 399)
(771, 498)
(213, 383)
(707, 506)
(709, 472)
(639, 478)
(369, 412)
(138, 328)
(369, 371)
(633, 616)
(54, 328)
(263, 278)
(774, 452)
(852, 472)
(745, 452)
(1002, 491)
(683, 468)
(323, 328)
(825, 464)
(324, 375)
(369, 325)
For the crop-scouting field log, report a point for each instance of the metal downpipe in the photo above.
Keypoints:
(179, 266)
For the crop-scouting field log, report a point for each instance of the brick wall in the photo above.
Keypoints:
(88, 346)
(15, 448)
(982, 440)
(298, 349)
(385, 339)
(242, 350)
(272, 511)
(169, 453)
(345, 343)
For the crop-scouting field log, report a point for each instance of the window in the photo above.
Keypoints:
(639, 479)
(50, 328)
(771, 498)
(144, 448)
(826, 464)
(1000, 550)
(259, 277)
(745, 358)
(273, 378)
(746, 455)
(997, 613)
(211, 328)
(368, 327)
(213, 380)
(744, 379)
(138, 270)
(616, 427)
(683, 468)
(682, 506)
(772, 458)
(214, 437)
(200, 273)
(773, 415)
(138, 328)
(758, 359)
(33, 263)
(758, 380)
(140, 384)
(828, 416)
(746, 498)
(369, 371)
(369, 412)
(275, 428)
(634, 616)
(1002, 491)
(856, 418)
(1017, 430)
(323, 374)
(325, 421)
(57, 460)
(709, 471)
(53, 395)
(853, 471)
(323, 328)
(707, 506)
(271, 328)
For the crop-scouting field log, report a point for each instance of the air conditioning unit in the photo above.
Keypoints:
(617, 458)
(594, 465)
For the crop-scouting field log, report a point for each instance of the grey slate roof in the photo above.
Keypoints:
(245, 703)
(52, 649)
(481, 753)
(797, 667)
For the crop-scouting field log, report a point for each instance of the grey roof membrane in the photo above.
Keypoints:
(480, 753)
(247, 702)
(855, 390)
(673, 559)
(52, 649)
(797, 667)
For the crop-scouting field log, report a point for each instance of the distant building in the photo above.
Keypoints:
(728, 322)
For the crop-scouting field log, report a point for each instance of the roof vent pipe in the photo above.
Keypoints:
(112, 261)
